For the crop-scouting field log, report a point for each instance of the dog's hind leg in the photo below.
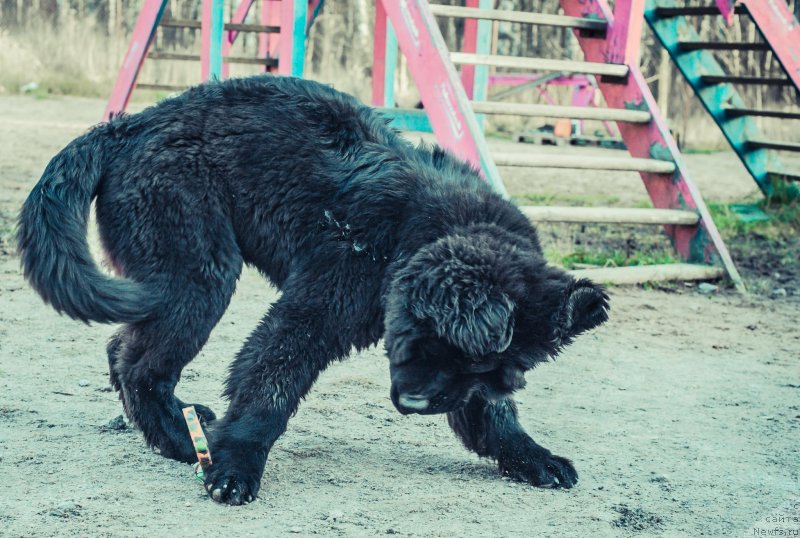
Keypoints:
(491, 429)
(146, 358)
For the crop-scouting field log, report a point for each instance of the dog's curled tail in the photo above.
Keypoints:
(51, 238)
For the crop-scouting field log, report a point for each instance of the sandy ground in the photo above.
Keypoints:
(682, 414)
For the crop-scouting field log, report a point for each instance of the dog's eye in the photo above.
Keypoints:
(479, 367)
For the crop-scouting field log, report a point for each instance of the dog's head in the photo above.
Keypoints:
(473, 312)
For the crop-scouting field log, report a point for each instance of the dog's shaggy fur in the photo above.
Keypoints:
(364, 234)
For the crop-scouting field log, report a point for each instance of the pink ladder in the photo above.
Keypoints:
(610, 42)
(282, 33)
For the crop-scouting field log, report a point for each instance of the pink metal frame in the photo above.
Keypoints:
(379, 56)
(142, 36)
(442, 93)
(781, 29)
(700, 243)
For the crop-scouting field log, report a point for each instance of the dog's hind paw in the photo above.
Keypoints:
(543, 470)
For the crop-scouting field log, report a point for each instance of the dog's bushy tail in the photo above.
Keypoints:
(51, 238)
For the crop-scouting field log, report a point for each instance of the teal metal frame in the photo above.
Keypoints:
(763, 164)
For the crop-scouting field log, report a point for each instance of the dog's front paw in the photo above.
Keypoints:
(538, 467)
(235, 475)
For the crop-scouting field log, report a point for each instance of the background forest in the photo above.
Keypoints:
(75, 47)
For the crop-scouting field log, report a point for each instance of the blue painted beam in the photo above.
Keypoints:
(407, 119)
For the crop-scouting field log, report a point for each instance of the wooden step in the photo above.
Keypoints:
(738, 112)
(541, 19)
(552, 111)
(777, 145)
(233, 27)
(721, 45)
(742, 79)
(161, 55)
(611, 215)
(587, 162)
(161, 87)
(640, 274)
(693, 11)
(540, 64)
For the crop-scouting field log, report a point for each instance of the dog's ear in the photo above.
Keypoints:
(456, 290)
(585, 306)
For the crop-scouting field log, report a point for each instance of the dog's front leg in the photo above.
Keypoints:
(491, 429)
(273, 371)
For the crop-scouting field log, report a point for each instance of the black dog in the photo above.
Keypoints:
(364, 234)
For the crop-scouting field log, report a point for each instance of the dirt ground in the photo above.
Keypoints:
(682, 414)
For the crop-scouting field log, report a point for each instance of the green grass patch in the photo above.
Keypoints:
(610, 258)
(575, 200)
(784, 220)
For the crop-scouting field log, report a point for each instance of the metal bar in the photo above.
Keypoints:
(541, 19)
(732, 112)
(777, 145)
(141, 39)
(268, 43)
(211, 31)
(440, 89)
(692, 11)
(469, 46)
(239, 16)
(541, 64)
(744, 79)
(291, 55)
(781, 30)
(697, 244)
(391, 66)
(726, 8)
(379, 56)
(624, 36)
(721, 45)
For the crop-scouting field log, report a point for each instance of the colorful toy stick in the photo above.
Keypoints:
(198, 440)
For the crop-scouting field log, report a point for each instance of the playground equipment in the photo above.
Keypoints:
(780, 35)
(455, 105)
(282, 36)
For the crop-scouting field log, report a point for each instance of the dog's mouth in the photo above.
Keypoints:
(412, 403)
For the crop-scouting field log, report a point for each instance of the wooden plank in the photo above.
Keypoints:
(229, 27)
(540, 64)
(162, 87)
(744, 79)
(778, 145)
(238, 17)
(640, 274)
(552, 111)
(159, 55)
(721, 45)
(611, 215)
(735, 112)
(587, 162)
(540, 19)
